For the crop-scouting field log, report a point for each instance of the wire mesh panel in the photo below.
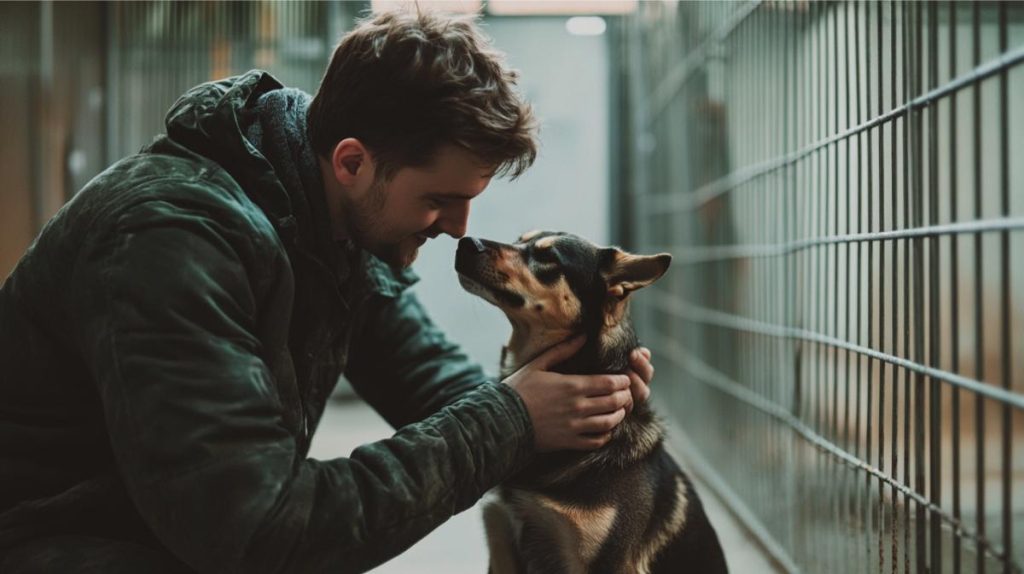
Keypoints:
(160, 49)
(842, 333)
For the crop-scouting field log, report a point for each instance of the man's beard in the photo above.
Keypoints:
(363, 218)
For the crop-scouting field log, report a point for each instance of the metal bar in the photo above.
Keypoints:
(41, 203)
(801, 390)
(896, 508)
(113, 16)
(1004, 184)
(788, 189)
(762, 214)
(821, 352)
(832, 256)
(954, 286)
(881, 287)
(979, 332)
(854, 333)
(870, 280)
(916, 173)
(935, 389)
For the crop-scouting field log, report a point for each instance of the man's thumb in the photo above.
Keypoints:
(559, 353)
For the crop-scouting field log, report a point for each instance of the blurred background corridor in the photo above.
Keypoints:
(840, 340)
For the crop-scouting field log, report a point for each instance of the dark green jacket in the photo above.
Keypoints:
(167, 346)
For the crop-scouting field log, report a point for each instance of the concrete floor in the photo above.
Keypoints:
(458, 546)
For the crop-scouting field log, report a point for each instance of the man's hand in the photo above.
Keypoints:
(575, 412)
(640, 374)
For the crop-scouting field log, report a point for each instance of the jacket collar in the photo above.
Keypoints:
(386, 280)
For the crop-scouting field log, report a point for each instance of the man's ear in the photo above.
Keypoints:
(351, 162)
(625, 272)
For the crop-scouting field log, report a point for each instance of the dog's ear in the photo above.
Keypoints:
(529, 235)
(626, 272)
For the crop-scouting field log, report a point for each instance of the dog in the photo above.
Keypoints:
(626, 507)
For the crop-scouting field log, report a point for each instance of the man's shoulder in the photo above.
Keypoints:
(169, 186)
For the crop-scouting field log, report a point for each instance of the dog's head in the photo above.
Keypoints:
(554, 285)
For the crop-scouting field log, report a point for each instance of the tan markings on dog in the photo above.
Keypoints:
(592, 525)
(545, 243)
(673, 525)
(579, 532)
(612, 335)
(647, 439)
(630, 272)
(614, 311)
(530, 235)
(548, 306)
(501, 537)
(553, 526)
(547, 318)
(561, 307)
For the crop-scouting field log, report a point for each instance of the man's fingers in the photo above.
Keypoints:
(642, 364)
(605, 404)
(602, 423)
(638, 387)
(558, 353)
(597, 385)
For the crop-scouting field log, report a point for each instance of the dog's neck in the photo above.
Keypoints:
(606, 350)
(526, 344)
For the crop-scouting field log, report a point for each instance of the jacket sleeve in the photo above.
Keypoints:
(167, 313)
(404, 365)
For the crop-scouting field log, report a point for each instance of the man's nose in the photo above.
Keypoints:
(456, 222)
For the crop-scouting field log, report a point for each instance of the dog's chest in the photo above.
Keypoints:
(576, 533)
(619, 526)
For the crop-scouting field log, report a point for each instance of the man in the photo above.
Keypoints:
(171, 338)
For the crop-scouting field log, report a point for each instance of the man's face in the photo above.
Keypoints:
(392, 220)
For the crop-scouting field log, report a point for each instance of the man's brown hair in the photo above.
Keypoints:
(405, 83)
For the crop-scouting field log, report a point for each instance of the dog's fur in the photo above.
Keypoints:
(625, 507)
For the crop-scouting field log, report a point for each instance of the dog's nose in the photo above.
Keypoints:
(474, 243)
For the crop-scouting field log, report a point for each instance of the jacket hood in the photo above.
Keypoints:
(214, 120)
(211, 119)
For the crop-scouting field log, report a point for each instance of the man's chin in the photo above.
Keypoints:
(408, 259)
(397, 256)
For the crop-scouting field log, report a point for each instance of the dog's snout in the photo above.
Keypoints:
(472, 245)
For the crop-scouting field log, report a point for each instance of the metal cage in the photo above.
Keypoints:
(157, 50)
(841, 336)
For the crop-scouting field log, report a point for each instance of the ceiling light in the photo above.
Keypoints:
(585, 25)
(451, 6)
(559, 7)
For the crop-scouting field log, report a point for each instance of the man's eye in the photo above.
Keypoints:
(434, 203)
